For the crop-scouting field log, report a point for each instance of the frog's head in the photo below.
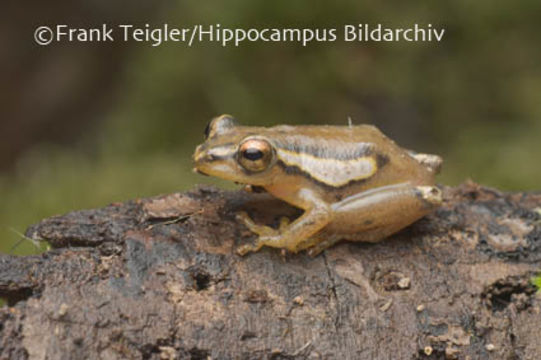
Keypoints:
(236, 153)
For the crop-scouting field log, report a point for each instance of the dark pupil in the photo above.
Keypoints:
(207, 131)
(252, 154)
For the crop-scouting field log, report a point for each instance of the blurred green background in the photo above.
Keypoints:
(85, 125)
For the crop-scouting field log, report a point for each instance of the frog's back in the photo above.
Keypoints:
(344, 160)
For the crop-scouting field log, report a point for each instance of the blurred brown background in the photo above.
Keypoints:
(84, 125)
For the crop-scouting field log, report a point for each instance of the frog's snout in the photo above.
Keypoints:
(197, 153)
(198, 159)
(200, 155)
(204, 159)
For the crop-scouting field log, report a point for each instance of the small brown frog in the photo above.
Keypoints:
(352, 182)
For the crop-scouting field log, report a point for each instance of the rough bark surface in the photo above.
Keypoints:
(158, 278)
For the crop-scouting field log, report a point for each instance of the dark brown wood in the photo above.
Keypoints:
(158, 278)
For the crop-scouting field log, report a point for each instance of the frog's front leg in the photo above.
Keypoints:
(261, 230)
(317, 215)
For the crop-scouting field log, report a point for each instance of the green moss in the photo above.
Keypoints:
(536, 280)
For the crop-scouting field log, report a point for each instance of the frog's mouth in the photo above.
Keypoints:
(197, 171)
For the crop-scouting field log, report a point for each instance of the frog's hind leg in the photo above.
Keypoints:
(375, 214)
(308, 243)
(322, 239)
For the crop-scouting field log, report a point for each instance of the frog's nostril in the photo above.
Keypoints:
(202, 157)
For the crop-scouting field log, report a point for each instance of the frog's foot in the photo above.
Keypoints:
(273, 238)
(319, 246)
(307, 243)
(264, 232)
(313, 242)
(272, 241)
(246, 248)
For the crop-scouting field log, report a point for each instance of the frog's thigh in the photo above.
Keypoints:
(373, 215)
(377, 213)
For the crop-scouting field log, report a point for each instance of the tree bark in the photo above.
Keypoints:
(158, 278)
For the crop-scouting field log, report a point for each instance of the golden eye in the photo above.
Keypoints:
(255, 155)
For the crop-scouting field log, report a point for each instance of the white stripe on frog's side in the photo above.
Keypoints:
(330, 171)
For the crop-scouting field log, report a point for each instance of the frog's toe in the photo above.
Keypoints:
(322, 245)
(244, 218)
(303, 245)
(247, 248)
(315, 251)
(244, 249)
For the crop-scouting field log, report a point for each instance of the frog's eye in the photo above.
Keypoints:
(255, 154)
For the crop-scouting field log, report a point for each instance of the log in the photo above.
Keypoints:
(159, 278)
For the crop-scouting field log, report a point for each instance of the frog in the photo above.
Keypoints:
(352, 182)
